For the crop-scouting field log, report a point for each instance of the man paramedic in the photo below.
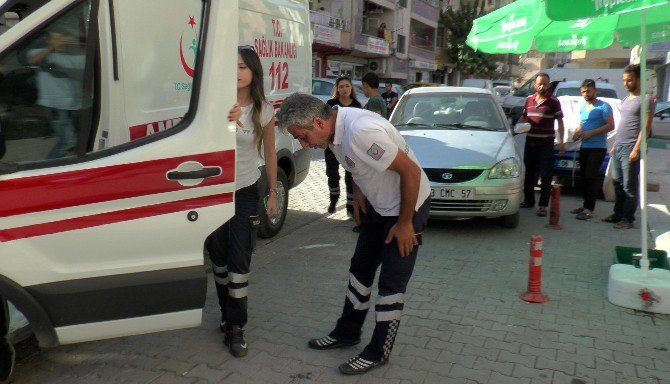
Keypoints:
(391, 204)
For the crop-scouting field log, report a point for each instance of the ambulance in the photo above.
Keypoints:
(117, 158)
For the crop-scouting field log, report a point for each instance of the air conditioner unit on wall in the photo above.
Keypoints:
(377, 65)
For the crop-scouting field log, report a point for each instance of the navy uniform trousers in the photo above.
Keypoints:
(370, 253)
(333, 174)
(230, 248)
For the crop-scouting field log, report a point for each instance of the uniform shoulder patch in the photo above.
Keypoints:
(350, 163)
(376, 152)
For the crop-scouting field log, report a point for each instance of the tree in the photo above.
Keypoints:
(457, 25)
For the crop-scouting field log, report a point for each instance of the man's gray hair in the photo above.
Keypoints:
(300, 109)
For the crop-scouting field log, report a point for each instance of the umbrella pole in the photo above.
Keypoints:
(644, 262)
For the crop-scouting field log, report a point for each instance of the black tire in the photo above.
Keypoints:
(7, 354)
(510, 221)
(269, 228)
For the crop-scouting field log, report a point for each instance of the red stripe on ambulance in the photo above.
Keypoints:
(112, 217)
(97, 185)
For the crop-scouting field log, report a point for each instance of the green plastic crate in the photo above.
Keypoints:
(657, 258)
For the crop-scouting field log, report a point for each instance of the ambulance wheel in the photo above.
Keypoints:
(270, 227)
(7, 354)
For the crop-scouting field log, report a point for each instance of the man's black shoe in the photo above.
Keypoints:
(613, 218)
(328, 342)
(331, 207)
(357, 365)
(526, 205)
(234, 339)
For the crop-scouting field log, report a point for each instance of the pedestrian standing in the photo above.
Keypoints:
(625, 154)
(390, 99)
(596, 119)
(381, 31)
(370, 86)
(343, 96)
(391, 204)
(541, 110)
(231, 245)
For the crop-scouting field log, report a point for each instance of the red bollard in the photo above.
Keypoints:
(534, 293)
(555, 207)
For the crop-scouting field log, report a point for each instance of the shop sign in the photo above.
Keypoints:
(422, 65)
(378, 46)
(327, 34)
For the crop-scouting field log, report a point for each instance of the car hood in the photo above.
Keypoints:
(459, 148)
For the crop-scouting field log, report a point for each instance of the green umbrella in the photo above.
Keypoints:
(639, 22)
(546, 26)
(564, 26)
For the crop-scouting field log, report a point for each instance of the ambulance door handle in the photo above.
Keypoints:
(199, 174)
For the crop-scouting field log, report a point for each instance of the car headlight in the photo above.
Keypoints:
(505, 169)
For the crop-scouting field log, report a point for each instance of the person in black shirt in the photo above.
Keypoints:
(390, 98)
(343, 96)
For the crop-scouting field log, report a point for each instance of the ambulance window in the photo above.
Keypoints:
(157, 64)
(42, 90)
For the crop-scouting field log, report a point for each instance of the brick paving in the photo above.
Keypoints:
(463, 321)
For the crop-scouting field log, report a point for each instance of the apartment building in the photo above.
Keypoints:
(348, 40)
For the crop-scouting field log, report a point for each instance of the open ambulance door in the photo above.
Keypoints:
(101, 228)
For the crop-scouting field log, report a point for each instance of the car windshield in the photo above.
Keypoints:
(572, 91)
(467, 111)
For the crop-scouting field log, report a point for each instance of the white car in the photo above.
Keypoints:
(464, 144)
(573, 88)
(500, 92)
(660, 126)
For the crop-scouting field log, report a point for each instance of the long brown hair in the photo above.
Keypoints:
(337, 82)
(251, 60)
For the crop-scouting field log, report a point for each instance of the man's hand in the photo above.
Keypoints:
(561, 148)
(359, 205)
(634, 155)
(404, 236)
(577, 135)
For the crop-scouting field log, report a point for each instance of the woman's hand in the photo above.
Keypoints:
(235, 113)
(271, 206)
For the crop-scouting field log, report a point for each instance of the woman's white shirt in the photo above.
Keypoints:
(246, 162)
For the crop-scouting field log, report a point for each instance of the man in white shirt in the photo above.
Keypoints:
(391, 205)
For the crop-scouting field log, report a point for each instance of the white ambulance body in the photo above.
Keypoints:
(104, 237)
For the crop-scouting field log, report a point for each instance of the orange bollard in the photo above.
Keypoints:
(534, 293)
(555, 207)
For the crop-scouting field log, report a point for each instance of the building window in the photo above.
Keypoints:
(400, 44)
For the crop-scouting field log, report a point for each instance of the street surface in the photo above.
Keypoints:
(463, 321)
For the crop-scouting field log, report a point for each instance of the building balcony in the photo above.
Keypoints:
(321, 18)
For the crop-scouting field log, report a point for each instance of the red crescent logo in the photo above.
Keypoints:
(189, 71)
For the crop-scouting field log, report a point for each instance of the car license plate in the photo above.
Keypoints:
(452, 193)
(568, 164)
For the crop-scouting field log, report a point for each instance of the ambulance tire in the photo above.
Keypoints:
(269, 228)
(7, 353)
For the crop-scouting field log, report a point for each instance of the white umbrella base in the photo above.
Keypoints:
(627, 287)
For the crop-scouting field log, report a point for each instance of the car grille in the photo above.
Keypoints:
(457, 175)
(460, 205)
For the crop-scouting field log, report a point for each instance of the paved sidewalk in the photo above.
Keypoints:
(463, 321)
